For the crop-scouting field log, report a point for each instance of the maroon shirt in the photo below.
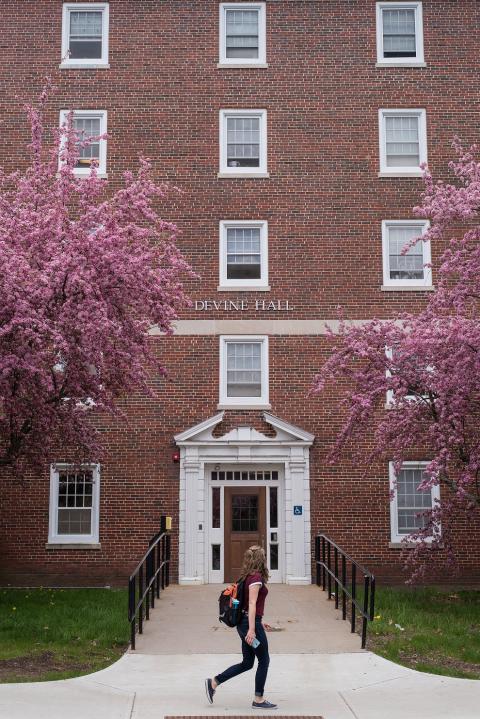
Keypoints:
(255, 578)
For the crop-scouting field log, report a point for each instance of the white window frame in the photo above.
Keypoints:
(260, 283)
(102, 164)
(413, 171)
(408, 397)
(225, 61)
(66, 61)
(261, 170)
(243, 402)
(418, 60)
(395, 536)
(53, 536)
(421, 284)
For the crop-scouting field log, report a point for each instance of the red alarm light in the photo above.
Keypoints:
(176, 456)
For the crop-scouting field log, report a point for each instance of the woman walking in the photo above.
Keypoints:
(251, 627)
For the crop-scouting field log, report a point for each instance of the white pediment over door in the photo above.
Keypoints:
(285, 433)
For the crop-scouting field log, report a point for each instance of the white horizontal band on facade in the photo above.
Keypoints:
(253, 327)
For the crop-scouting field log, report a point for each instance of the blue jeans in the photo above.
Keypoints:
(249, 654)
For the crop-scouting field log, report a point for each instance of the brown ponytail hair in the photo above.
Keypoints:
(254, 560)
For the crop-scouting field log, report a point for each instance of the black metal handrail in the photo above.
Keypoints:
(345, 579)
(150, 576)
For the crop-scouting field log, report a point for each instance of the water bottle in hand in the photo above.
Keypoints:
(235, 604)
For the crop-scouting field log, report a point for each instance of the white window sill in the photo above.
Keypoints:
(236, 175)
(73, 545)
(401, 64)
(396, 173)
(239, 65)
(244, 406)
(238, 288)
(83, 66)
(407, 288)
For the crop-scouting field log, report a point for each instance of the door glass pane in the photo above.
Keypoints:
(244, 513)
(273, 507)
(274, 556)
(215, 556)
(215, 507)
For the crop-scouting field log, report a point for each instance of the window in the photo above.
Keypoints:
(243, 143)
(416, 388)
(242, 35)
(399, 33)
(85, 35)
(403, 142)
(243, 255)
(405, 271)
(244, 371)
(89, 123)
(409, 503)
(74, 504)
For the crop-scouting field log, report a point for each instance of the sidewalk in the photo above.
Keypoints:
(165, 677)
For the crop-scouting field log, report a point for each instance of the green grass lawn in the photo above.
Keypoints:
(428, 629)
(60, 633)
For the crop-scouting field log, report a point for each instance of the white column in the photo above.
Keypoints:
(191, 470)
(298, 473)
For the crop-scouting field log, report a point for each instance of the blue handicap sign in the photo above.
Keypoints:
(297, 509)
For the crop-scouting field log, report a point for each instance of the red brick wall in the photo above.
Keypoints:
(324, 203)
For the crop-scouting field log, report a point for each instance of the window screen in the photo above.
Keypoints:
(243, 253)
(243, 141)
(407, 266)
(402, 141)
(244, 369)
(88, 127)
(399, 32)
(242, 33)
(85, 40)
(411, 501)
(75, 491)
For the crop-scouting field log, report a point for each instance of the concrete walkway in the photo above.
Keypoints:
(308, 674)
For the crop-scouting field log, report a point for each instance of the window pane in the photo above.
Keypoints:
(243, 253)
(88, 127)
(215, 507)
(411, 501)
(75, 502)
(407, 266)
(242, 33)
(273, 507)
(85, 35)
(243, 141)
(244, 375)
(399, 33)
(215, 556)
(402, 142)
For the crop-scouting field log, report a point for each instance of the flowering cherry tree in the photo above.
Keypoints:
(83, 277)
(427, 368)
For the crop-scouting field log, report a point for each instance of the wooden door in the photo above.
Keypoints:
(245, 524)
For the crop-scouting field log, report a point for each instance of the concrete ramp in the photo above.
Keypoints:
(185, 621)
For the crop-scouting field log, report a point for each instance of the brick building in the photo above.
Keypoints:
(295, 130)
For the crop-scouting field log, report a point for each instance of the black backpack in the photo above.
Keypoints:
(226, 613)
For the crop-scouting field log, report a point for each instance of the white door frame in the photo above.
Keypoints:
(199, 449)
(216, 536)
